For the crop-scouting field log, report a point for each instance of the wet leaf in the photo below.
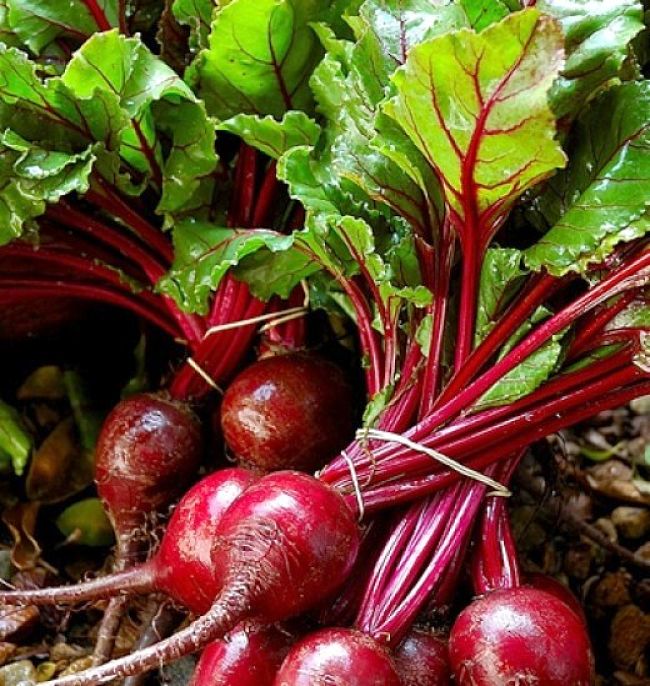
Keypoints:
(21, 522)
(86, 523)
(44, 383)
(59, 468)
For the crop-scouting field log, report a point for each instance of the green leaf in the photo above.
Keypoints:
(156, 100)
(635, 316)
(525, 378)
(476, 107)
(483, 13)
(398, 26)
(197, 14)
(87, 418)
(204, 253)
(30, 177)
(15, 440)
(39, 22)
(260, 56)
(275, 271)
(376, 405)
(602, 198)
(271, 136)
(7, 35)
(48, 110)
(598, 36)
(501, 274)
(86, 523)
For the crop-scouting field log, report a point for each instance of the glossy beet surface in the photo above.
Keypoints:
(291, 411)
(337, 657)
(543, 582)
(520, 636)
(422, 659)
(183, 564)
(148, 450)
(287, 543)
(248, 656)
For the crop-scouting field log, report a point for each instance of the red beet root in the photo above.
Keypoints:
(249, 656)
(283, 546)
(182, 566)
(290, 411)
(337, 656)
(422, 659)
(149, 448)
(543, 582)
(520, 636)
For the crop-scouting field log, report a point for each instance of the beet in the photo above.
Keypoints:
(520, 636)
(248, 656)
(149, 448)
(286, 544)
(422, 659)
(547, 583)
(182, 566)
(290, 411)
(337, 656)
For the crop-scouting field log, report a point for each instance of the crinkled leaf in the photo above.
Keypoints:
(156, 100)
(347, 246)
(598, 36)
(260, 56)
(204, 253)
(39, 22)
(30, 177)
(46, 109)
(501, 273)
(398, 26)
(15, 440)
(271, 136)
(271, 272)
(197, 14)
(483, 13)
(476, 107)
(191, 158)
(602, 198)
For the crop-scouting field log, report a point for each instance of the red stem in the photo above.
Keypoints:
(516, 436)
(521, 308)
(98, 15)
(44, 288)
(471, 269)
(432, 372)
(266, 197)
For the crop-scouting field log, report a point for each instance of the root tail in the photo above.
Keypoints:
(229, 609)
(132, 582)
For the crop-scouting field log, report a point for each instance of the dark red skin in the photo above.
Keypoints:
(148, 450)
(337, 657)
(291, 411)
(249, 656)
(287, 543)
(543, 582)
(182, 567)
(422, 659)
(520, 636)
